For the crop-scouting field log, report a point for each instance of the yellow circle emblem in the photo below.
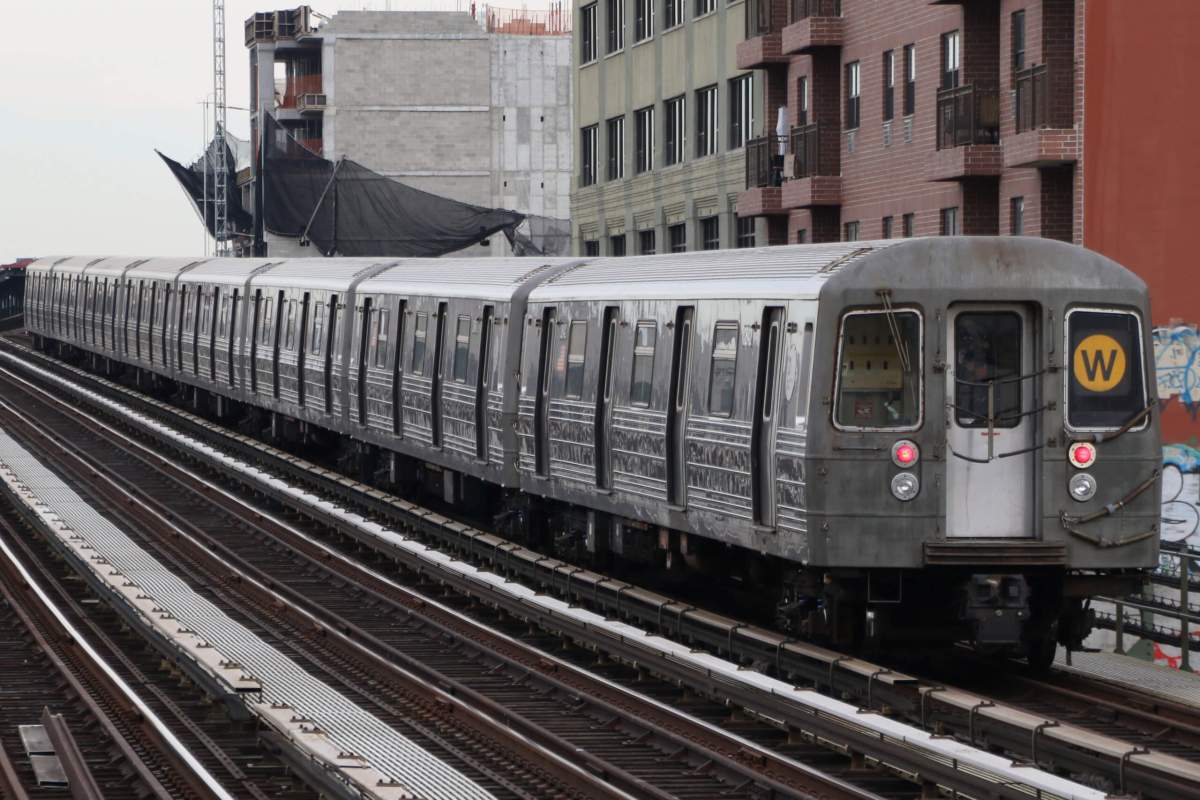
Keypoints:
(1099, 363)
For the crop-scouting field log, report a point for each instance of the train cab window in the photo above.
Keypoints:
(576, 348)
(318, 327)
(381, 337)
(724, 369)
(418, 355)
(462, 348)
(645, 338)
(1106, 387)
(879, 371)
(987, 362)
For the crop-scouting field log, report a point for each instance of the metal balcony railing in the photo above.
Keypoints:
(968, 115)
(803, 9)
(1031, 99)
(760, 17)
(764, 161)
(806, 151)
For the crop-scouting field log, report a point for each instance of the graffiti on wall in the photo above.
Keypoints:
(1177, 363)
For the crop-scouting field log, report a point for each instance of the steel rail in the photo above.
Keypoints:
(969, 716)
(135, 710)
(593, 779)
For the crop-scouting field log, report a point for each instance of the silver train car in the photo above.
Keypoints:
(896, 441)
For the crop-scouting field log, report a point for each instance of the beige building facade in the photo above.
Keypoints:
(662, 115)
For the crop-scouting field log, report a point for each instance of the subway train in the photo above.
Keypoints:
(892, 442)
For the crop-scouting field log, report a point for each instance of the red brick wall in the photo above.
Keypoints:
(1141, 162)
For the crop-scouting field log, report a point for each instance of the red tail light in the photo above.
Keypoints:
(1081, 454)
(905, 453)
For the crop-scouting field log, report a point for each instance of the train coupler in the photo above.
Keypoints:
(997, 608)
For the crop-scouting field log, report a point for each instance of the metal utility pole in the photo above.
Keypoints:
(220, 166)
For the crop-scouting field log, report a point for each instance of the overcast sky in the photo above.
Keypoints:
(90, 90)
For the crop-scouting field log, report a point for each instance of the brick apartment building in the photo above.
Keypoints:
(914, 118)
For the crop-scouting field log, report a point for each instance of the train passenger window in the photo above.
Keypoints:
(318, 327)
(289, 325)
(645, 338)
(462, 348)
(576, 349)
(418, 356)
(265, 334)
(879, 371)
(1106, 387)
(337, 330)
(987, 362)
(724, 369)
(223, 322)
(381, 337)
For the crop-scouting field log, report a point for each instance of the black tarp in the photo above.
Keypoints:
(347, 209)
(192, 180)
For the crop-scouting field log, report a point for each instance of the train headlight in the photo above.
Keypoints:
(1082, 487)
(1081, 454)
(905, 453)
(905, 486)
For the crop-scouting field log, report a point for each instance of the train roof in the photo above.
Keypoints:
(226, 271)
(484, 278)
(763, 272)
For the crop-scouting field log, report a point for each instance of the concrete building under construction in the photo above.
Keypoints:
(475, 108)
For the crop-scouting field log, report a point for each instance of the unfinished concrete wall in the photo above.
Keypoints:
(531, 126)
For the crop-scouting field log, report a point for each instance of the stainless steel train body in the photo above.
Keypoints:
(881, 423)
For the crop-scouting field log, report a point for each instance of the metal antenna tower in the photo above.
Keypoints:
(220, 167)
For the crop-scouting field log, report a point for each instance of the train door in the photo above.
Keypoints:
(398, 368)
(364, 356)
(435, 393)
(482, 383)
(762, 444)
(541, 409)
(677, 411)
(990, 426)
(604, 396)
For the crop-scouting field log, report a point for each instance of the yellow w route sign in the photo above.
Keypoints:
(1099, 363)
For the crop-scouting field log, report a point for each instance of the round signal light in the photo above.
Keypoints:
(905, 453)
(1081, 454)
(905, 486)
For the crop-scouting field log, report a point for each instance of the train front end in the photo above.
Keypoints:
(990, 455)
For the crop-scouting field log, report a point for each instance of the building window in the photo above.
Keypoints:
(886, 228)
(851, 231)
(704, 7)
(616, 245)
(591, 247)
(951, 60)
(677, 235)
(907, 224)
(643, 21)
(910, 79)
(646, 242)
(672, 13)
(741, 110)
(643, 120)
(587, 153)
(1018, 40)
(802, 100)
(745, 231)
(950, 221)
(1016, 208)
(889, 84)
(616, 148)
(587, 33)
(615, 10)
(706, 121)
(852, 94)
(710, 233)
(675, 130)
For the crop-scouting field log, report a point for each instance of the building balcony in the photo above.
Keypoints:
(765, 19)
(1044, 147)
(814, 180)
(765, 157)
(296, 87)
(968, 115)
(1045, 136)
(813, 24)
